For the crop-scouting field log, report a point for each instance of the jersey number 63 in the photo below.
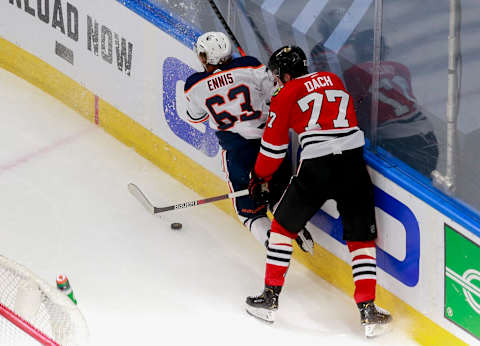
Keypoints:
(224, 118)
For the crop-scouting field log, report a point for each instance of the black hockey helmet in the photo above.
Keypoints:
(288, 59)
(363, 44)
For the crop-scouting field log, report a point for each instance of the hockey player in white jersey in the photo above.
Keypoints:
(233, 95)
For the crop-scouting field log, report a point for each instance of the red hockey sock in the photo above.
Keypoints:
(364, 269)
(279, 252)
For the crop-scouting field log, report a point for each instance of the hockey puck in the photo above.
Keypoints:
(176, 226)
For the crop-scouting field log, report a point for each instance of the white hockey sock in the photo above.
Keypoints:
(280, 238)
(260, 228)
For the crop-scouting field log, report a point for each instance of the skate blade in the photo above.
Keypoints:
(309, 247)
(262, 314)
(373, 330)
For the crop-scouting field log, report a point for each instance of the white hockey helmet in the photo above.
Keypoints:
(213, 48)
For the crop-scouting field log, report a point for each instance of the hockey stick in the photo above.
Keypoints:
(140, 196)
(227, 28)
(255, 29)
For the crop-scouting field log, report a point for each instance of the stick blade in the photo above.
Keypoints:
(138, 194)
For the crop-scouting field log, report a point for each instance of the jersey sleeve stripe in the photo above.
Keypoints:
(278, 148)
(197, 120)
(273, 151)
(271, 154)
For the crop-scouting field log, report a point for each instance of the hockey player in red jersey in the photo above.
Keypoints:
(319, 109)
(232, 94)
(403, 128)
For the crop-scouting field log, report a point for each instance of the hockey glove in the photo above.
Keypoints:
(258, 189)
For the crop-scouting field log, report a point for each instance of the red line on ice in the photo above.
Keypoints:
(44, 150)
(96, 109)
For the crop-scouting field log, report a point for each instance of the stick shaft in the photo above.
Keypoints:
(189, 204)
(140, 196)
(255, 29)
(227, 28)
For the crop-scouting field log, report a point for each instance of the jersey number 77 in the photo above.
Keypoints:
(314, 102)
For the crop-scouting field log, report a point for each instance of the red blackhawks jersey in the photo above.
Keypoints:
(319, 109)
(398, 112)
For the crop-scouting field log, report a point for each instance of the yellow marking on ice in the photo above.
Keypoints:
(339, 274)
(181, 167)
(118, 124)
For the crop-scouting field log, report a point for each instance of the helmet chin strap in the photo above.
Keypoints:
(207, 67)
(210, 68)
(286, 78)
(203, 61)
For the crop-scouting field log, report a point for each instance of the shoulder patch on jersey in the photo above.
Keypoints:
(243, 61)
(194, 78)
(275, 93)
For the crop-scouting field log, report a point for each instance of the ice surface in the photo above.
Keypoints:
(64, 207)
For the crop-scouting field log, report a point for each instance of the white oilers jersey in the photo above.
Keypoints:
(234, 98)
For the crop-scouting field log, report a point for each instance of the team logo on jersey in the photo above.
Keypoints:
(275, 93)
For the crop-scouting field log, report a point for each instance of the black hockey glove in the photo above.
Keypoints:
(258, 189)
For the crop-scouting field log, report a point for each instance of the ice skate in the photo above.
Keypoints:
(264, 305)
(305, 241)
(376, 321)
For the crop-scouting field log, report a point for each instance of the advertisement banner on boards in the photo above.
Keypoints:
(121, 57)
(462, 281)
(141, 70)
